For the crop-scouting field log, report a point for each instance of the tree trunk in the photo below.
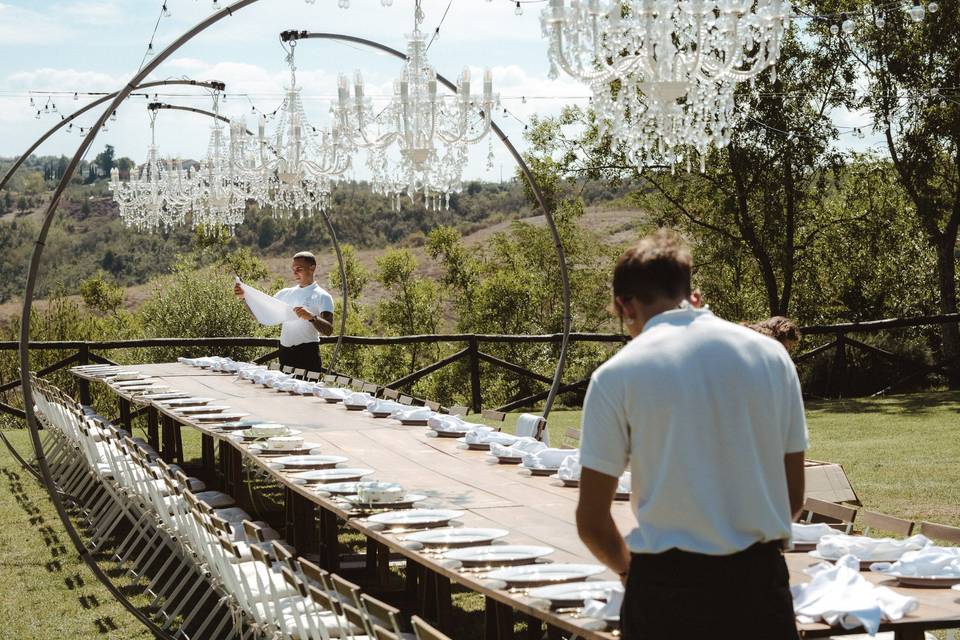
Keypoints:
(947, 271)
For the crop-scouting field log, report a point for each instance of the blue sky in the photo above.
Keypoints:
(96, 45)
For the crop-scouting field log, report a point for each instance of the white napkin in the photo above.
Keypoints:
(331, 392)
(834, 546)
(485, 436)
(265, 308)
(545, 458)
(939, 562)
(415, 413)
(838, 594)
(609, 610)
(358, 398)
(518, 448)
(444, 422)
(266, 375)
(623, 483)
(570, 467)
(284, 384)
(527, 427)
(810, 532)
(385, 406)
(303, 387)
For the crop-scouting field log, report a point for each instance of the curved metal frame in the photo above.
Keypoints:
(37, 254)
(326, 219)
(213, 84)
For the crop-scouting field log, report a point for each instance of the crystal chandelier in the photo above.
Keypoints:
(291, 170)
(663, 72)
(158, 193)
(418, 144)
(219, 194)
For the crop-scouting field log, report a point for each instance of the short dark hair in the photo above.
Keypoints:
(656, 267)
(307, 257)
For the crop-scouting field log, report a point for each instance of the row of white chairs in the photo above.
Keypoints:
(212, 570)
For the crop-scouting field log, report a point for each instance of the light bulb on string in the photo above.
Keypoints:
(75, 96)
(165, 11)
(386, 3)
(880, 21)
(933, 7)
(847, 24)
(113, 117)
(519, 10)
(834, 29)
(149, 49)
(917, 11)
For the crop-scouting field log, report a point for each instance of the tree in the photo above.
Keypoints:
(906, 64)
(104, 161)
(101, 295)
(124, 166)
(22, 204)
(413, 304)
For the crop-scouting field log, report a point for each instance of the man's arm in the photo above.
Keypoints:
(238, 291)
(793, 463)
(595, 524)
(323, 322)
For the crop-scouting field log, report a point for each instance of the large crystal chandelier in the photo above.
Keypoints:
(293, 168)
(158, 193)
(219, 192)
(663, 72)
(418, 143)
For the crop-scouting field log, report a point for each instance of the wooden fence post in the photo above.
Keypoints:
(473, 354)
(84, 358)
(840, 366)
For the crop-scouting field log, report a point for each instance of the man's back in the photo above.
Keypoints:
(705, 410)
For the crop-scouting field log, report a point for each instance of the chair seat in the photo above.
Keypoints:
(233, 515)
(243, 547)
(300, 615)
(215, 499)
(255, 573)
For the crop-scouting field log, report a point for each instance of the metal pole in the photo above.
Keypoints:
(79, 112)
(538, 195)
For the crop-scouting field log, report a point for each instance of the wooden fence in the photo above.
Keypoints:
(837, 346)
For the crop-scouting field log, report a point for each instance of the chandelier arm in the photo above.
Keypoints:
(82, 110)
(535, 189)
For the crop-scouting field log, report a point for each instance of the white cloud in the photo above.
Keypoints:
(20, 26)
(101, 13)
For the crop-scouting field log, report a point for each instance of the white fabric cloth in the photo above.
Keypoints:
(265, 308)
(604, 610)
(624, 483)
(570, 467)
(702, 411)
(359, 398)
(303, 387)
(385, 406)
(448, 423)
(545, 458)
(864, 548)
(838, 594)
(331, 392)
(518, 448)
(527, 427)
(486, 435)
(413, 413)
(808, 533)
(314, 299)
(930, 562)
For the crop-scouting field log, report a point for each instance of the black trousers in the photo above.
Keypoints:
(678, 595)
(301, 356)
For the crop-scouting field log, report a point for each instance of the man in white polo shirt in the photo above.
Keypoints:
(299, 346)
(708, 417)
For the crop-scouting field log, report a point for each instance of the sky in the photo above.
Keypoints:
(71, 46)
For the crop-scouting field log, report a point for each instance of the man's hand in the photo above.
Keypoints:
(303, 314)
(595, 523)
(238, 290)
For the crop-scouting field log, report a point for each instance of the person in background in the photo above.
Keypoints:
(783, 330)
(708, 417)
(299, 339)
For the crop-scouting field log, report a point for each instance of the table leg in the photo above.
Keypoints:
(383, 565)
(329, 543)
(444, 598)
(84, 386)
(167, 447)
(908, 634)
(221, 474)
(178, 442)
(300, 522)
(554, 633)
(207, 456)
(124, 413)
(153, 428)
(534, 627)
(499, 620)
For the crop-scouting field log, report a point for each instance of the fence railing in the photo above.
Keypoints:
(838, 348)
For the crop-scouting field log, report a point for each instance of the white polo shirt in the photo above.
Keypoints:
(314, 299)
(703, 412)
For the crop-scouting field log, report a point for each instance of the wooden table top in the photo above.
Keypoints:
(536, 510)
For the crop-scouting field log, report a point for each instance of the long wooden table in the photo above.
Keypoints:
(536, 510)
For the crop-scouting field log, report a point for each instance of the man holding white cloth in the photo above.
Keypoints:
(299, 339)
(708, 417)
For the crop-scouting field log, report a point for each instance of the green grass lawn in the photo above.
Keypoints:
(902, 455)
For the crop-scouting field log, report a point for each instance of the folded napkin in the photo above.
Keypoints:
(518, 448)
(248, 373)
(331, 392)
(604, 610)
(358, 398)
(570, 467)
(527, 424)
(834, 546)
(284, 384)
(385, 406)
(545, 458)
(262, 377)
(444, 422)
(810, 532)
(839, 594)
(930, 562)
(623, 483)
(415, 413)
(488, 436)
(303, 387)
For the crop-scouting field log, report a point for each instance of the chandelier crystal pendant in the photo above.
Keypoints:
(219, 192)
(418, 145)
(158, 193)
(663, 72)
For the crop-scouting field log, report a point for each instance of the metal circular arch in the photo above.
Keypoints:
(326, 220)
(37, 254)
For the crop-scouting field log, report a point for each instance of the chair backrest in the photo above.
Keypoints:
(390, 394)
(357, 384)
(940, 531)
(382, 634)
(312, 376)
(315, 574)
(329, 379)
(407, 400)
(349, 592)
(871, 520)
(458, 410)
(343, 380)
(356, 618)
(830, 512)
(370, 387)
(424, 631)
(299, 373)
(571, 438)
(274, 366)
(495, 416)
(286, 369)
(327, 602)
(430, 404)
(380, 613)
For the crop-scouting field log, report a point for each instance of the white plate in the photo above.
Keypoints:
(339, 475)
(457, 536)
(309, 462)
(575, 592)
(315, 475)
(864, 562)
(172, 395)
(925, 581)
(287, 432)
(532, 575)
(201, 408)
(218, 417)
(340, 488)
(490, 555)
(409, 498)
(185, 402)
(956, 587)
(415, 517)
